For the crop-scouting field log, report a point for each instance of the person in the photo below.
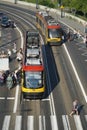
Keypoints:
(68, 35)
(9, 81)
(74, 34)
(20, 55)
(85, 40)
(14, 78)
(78, 34)
(1, 77)
(75, 108)
(14, 47)
(9, 54)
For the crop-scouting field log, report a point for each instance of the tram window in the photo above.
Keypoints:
(32, 79)
(54, 33)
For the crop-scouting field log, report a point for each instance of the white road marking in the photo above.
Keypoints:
(18, 123)
(16, 99)
(42, 122)
(78, 122)
(2, 97)
(86, 117)
(66, 123)
(76, 74)
(30, 123)
(6, 123)
(48, 99)
(8, 98)
(42, 125)
(54, 124)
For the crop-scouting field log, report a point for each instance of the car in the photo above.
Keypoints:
(5, 21)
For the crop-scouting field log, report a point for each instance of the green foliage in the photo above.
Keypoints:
(47, 3)
(78, 5)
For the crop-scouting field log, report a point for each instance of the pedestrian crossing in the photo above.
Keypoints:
(42, 122)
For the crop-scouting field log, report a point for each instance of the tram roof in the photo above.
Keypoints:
(49, 19)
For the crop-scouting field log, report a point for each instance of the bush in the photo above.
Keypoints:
(47, 3)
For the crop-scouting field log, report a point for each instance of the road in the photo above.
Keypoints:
(62, 87)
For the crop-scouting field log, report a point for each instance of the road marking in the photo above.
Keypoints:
(48, 99)
(54, 124)
(2, 97)
(78, 122)
(6, 123)
(86, 117)
(42, 122)
(8, 98)
(18, 123)
(76, 74)
(42, 125)
(30, 123)
(16, 99)
(66, 123)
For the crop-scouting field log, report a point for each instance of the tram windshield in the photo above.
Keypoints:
(54, 33)
(33, 79)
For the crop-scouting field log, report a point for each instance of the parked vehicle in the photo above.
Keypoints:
(5, 21)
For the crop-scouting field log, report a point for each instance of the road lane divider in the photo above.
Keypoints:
(16, 99)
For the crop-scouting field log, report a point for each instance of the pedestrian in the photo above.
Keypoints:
(14, 47)
(14, 78)
(1, 77)
(68, 35)
(9, 81)
(74, 34)
(9, 53)
(19, 55)
(75, 108)
(85, 40)
(78, 34)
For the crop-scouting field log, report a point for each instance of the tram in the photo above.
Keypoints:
(50, 28)
(33, 76)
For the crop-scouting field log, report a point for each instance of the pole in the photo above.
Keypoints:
(36, 4)
(15, 1)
